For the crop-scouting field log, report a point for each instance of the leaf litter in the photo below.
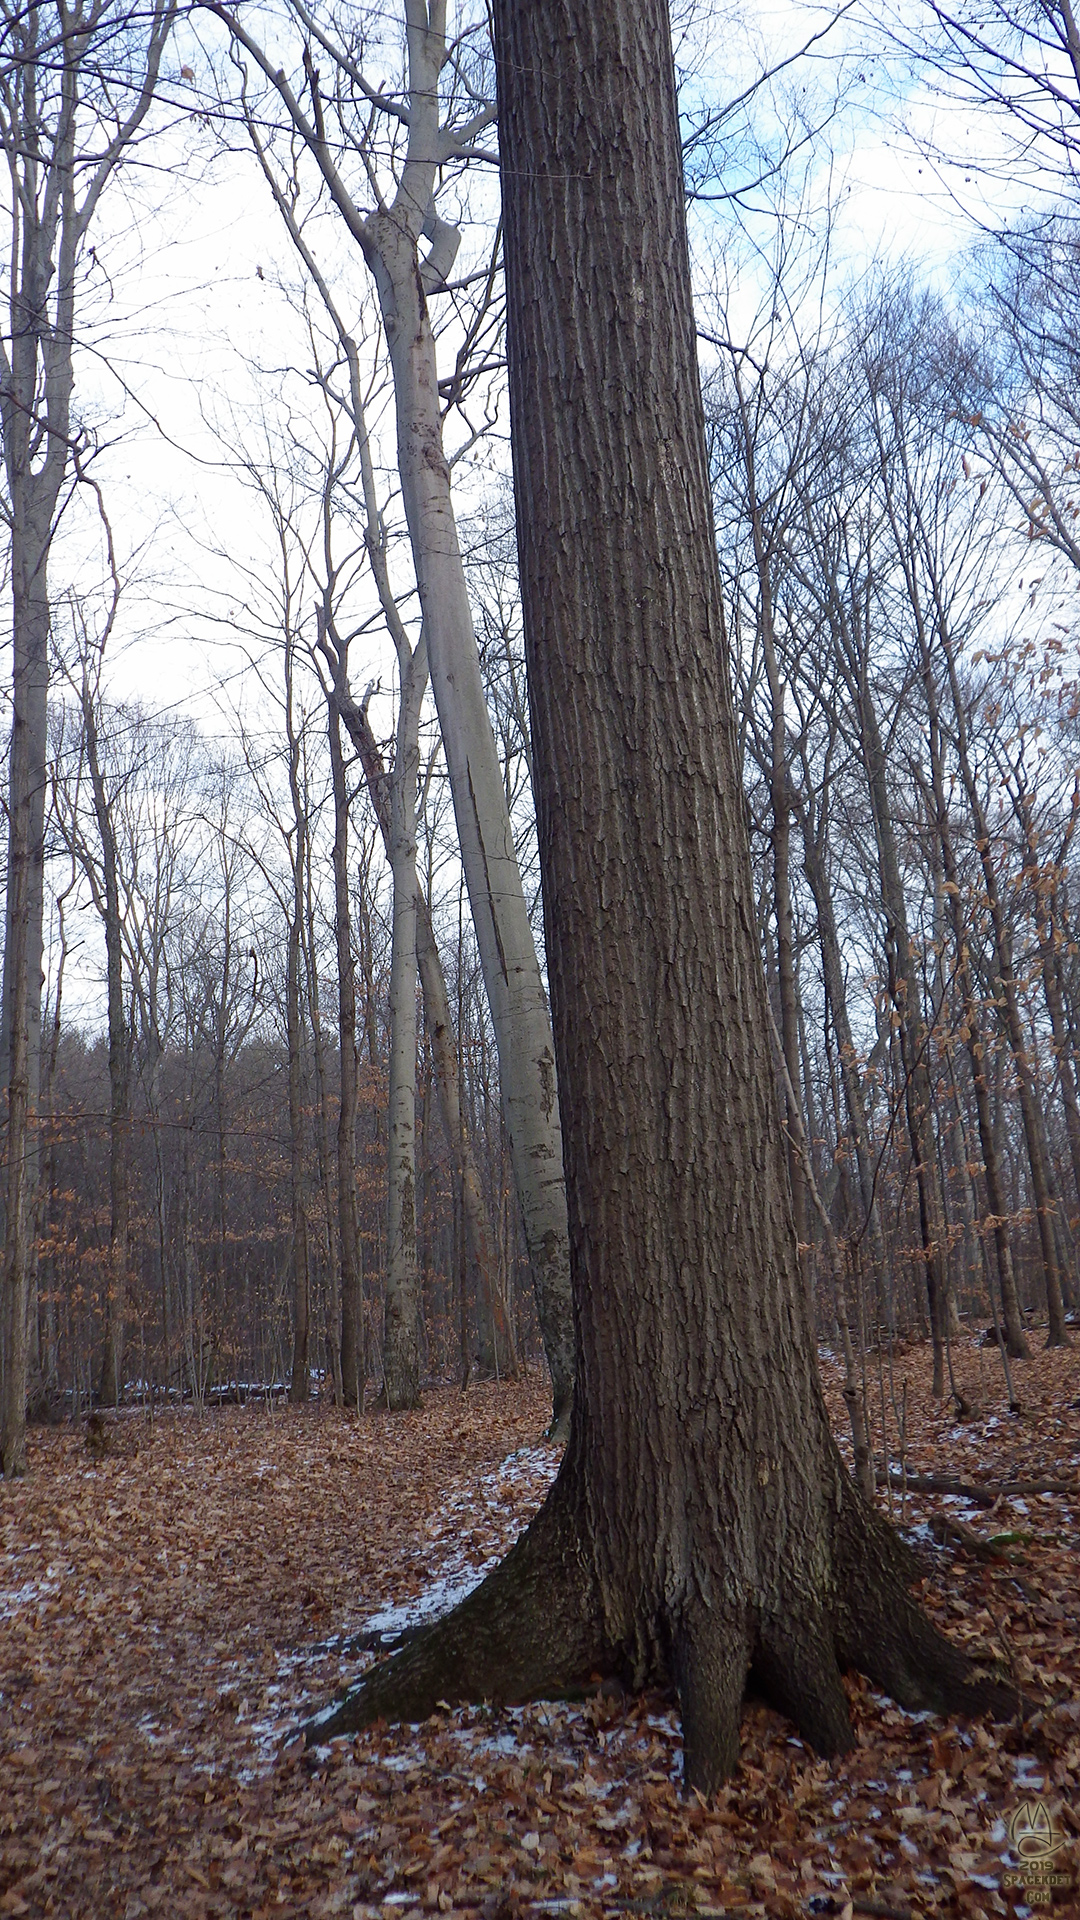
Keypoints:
(170, 1610)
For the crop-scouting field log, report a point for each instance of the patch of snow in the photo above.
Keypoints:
(919, 1530)
(319, 1719)
(1028, 1771)
(408, 1762)
(441, 1597)
(13, 1598)
(497, 1742)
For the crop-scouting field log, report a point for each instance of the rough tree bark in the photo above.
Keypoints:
(703, 1527)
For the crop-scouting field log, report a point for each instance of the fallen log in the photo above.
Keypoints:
(979, 1495)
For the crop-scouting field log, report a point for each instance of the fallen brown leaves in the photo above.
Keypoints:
(167, 1610)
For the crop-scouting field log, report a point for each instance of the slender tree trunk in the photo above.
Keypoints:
(300, 1376)
(353, 1353)
(780, 801)
(500, 920)
(20, 1037)
(47, 55)
(325, 1155)
(439, 1021)
(906, 998)
(1051, 939)
(390, 240)
(1007, 1001)
(34, 484)
(401, 1355)
(833, 971)
(299, 1248)
(112, 1364)
(1015, 1341)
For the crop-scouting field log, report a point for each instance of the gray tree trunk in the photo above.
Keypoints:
(390, 240)
(46, 64)
(299, 1251)
(906, 996)
(702, 1522)
(353, 1346)
(401, 1349)
(1008, 1005)
(501, 923)
(440, 1027)
(108, 900)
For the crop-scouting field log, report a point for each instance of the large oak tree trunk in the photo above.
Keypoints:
(703, 1527)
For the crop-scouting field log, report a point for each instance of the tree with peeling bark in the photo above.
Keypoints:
(703, 1529)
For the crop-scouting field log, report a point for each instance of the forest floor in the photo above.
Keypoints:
(167, 1610)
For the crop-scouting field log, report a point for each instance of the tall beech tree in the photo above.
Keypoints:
(76, 86)
(407, 281)
(703, 1528)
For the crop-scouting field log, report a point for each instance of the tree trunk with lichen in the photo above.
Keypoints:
(703, 1529)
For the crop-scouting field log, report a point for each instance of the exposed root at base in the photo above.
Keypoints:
(535, 1629)
(530, 1630)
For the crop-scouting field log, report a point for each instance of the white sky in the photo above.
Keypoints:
(198, 336)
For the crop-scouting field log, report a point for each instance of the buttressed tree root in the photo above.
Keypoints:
(538, 1627)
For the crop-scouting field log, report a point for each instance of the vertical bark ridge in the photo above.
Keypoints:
(702, 1522)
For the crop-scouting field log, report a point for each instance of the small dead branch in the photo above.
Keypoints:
(952, 1532)
(979, 1496)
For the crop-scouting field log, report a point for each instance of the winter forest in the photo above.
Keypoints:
(541, 972)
